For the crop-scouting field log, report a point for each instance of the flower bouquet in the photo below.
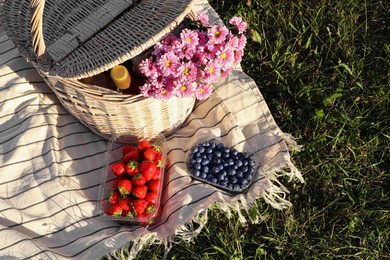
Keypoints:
(186, 65)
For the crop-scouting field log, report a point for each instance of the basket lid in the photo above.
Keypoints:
(80, 38)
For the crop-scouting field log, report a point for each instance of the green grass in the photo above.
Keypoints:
(324, 69)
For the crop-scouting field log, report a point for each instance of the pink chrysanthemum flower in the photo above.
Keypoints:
(184, 88)
(147, 90)
(199, 57)
(225, 57)
(189, 38)
(164, 93)
(241, 42)
(217, 34)
(171, 39)
(188, 71)
(211, 72)
(148, 68)
(202, 36)
(239, 24)
(238, 56)
(203, 18)
(183, 51)
(233, 42)
(203, 91)
(168, 64)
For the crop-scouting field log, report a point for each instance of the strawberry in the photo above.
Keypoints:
(118, 168)
(125, 187)
(127, 148)
(154, 185)
(139, 179)
(158, 160)
(132, 168)
(114, 197)
(149, 154)
(140, 191)
(156, 175)
(143, 145)
(115, 210)
(115, 183)
(151, 197)
(131, 156)
(148, 168)
(124, 203)
(139, 206)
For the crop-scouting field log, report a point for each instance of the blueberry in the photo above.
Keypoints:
(236, 187)
(234, 152)
(197, 166)
(215, 169)
(224, 183)
(196, 173)
(248, 176)
(226, 149)
(244, 182)
(205, 161)
(221, 167)
(220, 146)
(201, 149)
(225, 155)
(198, 159)
(231, 171)
(244, 168)
(209, 150)
(225, 164)
(239, 174)
(221, 176)
(217, 153)
(205, 169)
(210, 156)
(233, 179)
(192, 161)
(214, 180)
(230, 161)
(203, 175)
(252, 162)
(217, 160)
(238, 162)
(229, 186)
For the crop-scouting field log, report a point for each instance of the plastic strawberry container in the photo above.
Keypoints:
(113, 155)
(206, 174)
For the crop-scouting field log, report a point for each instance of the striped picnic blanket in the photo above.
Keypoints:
(50, 167)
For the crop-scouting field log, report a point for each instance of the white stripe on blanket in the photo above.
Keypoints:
(50, 166)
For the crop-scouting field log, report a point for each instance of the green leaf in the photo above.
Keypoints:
(255, 36)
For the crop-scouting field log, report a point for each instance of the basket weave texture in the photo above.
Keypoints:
(70, 40)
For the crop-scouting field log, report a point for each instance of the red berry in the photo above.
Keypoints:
(140, 191)
(148, 168)
(115, 183)
(114, 197)
(131, 156)
(125, 187)
(115, 210)
(152, 197)
(143, 145)
(139, 179)
(124, 203)
(127, 148)
(154, 185)
(149, 154)
(157, 173)
(139, 206)
(118, 168)
(132, 168)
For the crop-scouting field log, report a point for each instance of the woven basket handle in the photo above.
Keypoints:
(88, 26)
(38, 43)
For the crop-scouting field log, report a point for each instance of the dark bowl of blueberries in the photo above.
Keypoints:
(226, 168)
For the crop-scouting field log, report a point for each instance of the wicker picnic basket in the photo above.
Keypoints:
(70, 40)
